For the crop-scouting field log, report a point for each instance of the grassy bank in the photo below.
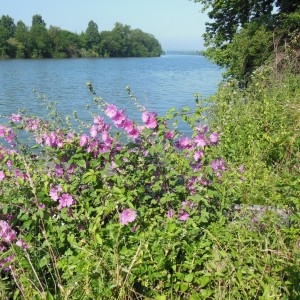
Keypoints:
(156, 217)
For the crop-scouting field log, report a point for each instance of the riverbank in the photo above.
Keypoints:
(161, 224)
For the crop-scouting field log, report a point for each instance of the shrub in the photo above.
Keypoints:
(127, 210)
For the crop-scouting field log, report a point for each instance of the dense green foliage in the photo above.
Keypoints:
(96, 215)
(243, 35)
(38, 41)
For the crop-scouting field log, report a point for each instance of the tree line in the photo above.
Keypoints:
(244, 35)
(37, 41)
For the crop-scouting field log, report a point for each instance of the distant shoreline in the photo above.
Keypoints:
(178, 52)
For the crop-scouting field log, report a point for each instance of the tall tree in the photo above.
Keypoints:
(8, 23)
(92, 35)
(63, 43)
(23, 38)
(40, 41)
(122, 36)
(144, 44)
(241, 34)
(37, 20)
(123, 41)
(7, 31)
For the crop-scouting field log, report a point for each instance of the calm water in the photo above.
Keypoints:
(158, 83)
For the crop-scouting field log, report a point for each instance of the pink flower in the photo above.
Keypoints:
(84, 139)
(72, 168)
(54, 192)
(196, 167)
(169, 135)
(200, 140)
(202, 129)
(218, 165)
(6, 233)
(15, 118)
(184, 143)
(188, 204)
(134, 133)
(128, 125)
(111, 110)
(99, 121)
(19, 174)
(53, 140)
(94, 131)
(2, 175)
(2, 247)
(59, 171)
(65, 200)
(119, 119)
(126, 216)
(2, 131)
(70, 136)
(7, 133)
(41, 206)
(4, 262)
(32, 124)
(170, 213)
(214, 138)
(191, 185)
(100, 124)
(198, 155)
(20, 243)
(183, 215)
(149, 118)
(131, 129)
(241, 169)
(106, 138)
(92, 147)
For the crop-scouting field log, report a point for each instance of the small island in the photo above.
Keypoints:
(38, 41)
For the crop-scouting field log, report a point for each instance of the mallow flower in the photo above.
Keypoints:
(126, 216)
(149, 118)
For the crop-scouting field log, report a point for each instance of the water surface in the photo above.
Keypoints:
(158, 83)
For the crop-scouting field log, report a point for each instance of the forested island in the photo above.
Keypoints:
(17, 40)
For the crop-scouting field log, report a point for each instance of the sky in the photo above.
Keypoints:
(176, 24)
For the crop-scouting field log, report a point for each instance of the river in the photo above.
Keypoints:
(158, 83)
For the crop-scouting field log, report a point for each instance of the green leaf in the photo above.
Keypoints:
(26, 224)
(16, 294)
(98, 239)
(44, 261)
(184, 287)
(81, 163)
(189, 277)
(49, 296)
(23, 217)
(203, 281)
(195, 297)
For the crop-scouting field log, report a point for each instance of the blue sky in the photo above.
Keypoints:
(177, 24)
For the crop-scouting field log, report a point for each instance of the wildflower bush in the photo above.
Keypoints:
(132, 210)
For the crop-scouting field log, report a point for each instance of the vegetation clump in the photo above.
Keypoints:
(244, 35)
(38, 41)
(132, 210)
